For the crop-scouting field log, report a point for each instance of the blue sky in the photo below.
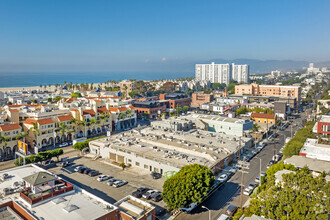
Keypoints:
(156, 35)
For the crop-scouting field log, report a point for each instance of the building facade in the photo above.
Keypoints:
(215, 73)
(198, 99)
(240, 73)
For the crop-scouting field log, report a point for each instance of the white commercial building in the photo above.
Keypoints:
(215, 73)
(313, 149)
(240, 73)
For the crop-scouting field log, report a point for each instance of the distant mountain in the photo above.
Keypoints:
(265, 66)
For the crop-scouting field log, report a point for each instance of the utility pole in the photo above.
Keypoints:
(244, 165)
(239, 149)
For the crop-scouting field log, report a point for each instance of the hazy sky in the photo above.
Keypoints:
(157, 35)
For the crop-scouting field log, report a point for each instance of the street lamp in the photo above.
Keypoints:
(208, 210)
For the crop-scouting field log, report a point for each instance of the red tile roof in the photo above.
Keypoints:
(122, 109)
(102, 109)
(40, 121)
(113, 109)
(263, 115)
(13, 110)
(74, 110)
(45, 121)
(90, 111)
(70, 100)
(30, 121)
(65, 118)
(9, 127)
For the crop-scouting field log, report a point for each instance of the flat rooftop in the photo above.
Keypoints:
(176, 148)
(88, 206)
(133, 207)
(313, 164)
(215, 118)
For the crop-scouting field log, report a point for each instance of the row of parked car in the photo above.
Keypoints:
(87, 171)
(147, 193)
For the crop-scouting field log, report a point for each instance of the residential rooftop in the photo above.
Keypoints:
(76, 204)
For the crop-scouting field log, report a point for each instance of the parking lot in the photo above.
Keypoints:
(134, 176)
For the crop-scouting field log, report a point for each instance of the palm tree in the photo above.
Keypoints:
(63, 128)
(21, 136)
(35, 130)
(3, 140)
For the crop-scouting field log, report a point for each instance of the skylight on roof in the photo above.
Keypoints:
(70, 208)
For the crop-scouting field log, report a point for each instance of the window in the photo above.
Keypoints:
(129, 160)
(146, 166)
(137, 164)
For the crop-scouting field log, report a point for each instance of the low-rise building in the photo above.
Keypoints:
(199, 98)
(8, 146)
(159, 149)
(312, 149)
(30, 192)
(264, 118)
(322, 126)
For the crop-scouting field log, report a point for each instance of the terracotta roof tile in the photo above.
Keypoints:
(65, 118)
(13, 110)
(123, 109)
(102, 109)
(90, 111)
(45, 121)
(74, 110)
(30, 121)
(9, 127)
(262, 115)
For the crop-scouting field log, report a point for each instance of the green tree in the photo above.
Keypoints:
(76, 95)
(231, 87)
(58, 98)
(49, 99)
(255, 127)
(57, 152)
(20, 136)
(189, 185)
(63, 128)
(80, 146)
(185, 108)
(241, 110)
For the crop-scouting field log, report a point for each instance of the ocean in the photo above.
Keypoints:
(36, 79)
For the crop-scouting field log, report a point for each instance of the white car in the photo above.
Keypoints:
(119, 183)
(78, 168)
(147, 195)
(257, 179)
(247, 191)
(63, 144)
(223, 178)
(103, 177)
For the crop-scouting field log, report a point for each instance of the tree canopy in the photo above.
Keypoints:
(76, 95)
(188, 186)
(300, 196)
(294, 146)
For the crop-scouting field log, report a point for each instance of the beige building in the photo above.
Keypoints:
(9, 147)
(270, 90)
(126, 87)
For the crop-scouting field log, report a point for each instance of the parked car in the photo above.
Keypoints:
(103, 178)
(147, 195)
(263, 173)
(270, 164)
(156, 197)
(119, 183)
(66, 163)
(93, 173)
(233, 169)
(257, 179)
(78, 168)
(248, 191)
(86, 171)
(223, 178)
(47, 162)
(223, 217)
(82, 170)
(112, 181)
(252, 185)
(63, 144)
(139, 192)
(156, 175)
(231, 210)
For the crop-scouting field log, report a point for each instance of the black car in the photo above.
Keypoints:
(156, 175)
(156, 196)
(93, 173)
(139, 192)
(87, 171)
(231, 210)
(82, 170)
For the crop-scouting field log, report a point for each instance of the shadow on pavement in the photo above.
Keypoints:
(94, 191)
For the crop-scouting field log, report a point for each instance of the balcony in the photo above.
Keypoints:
(45, 192)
